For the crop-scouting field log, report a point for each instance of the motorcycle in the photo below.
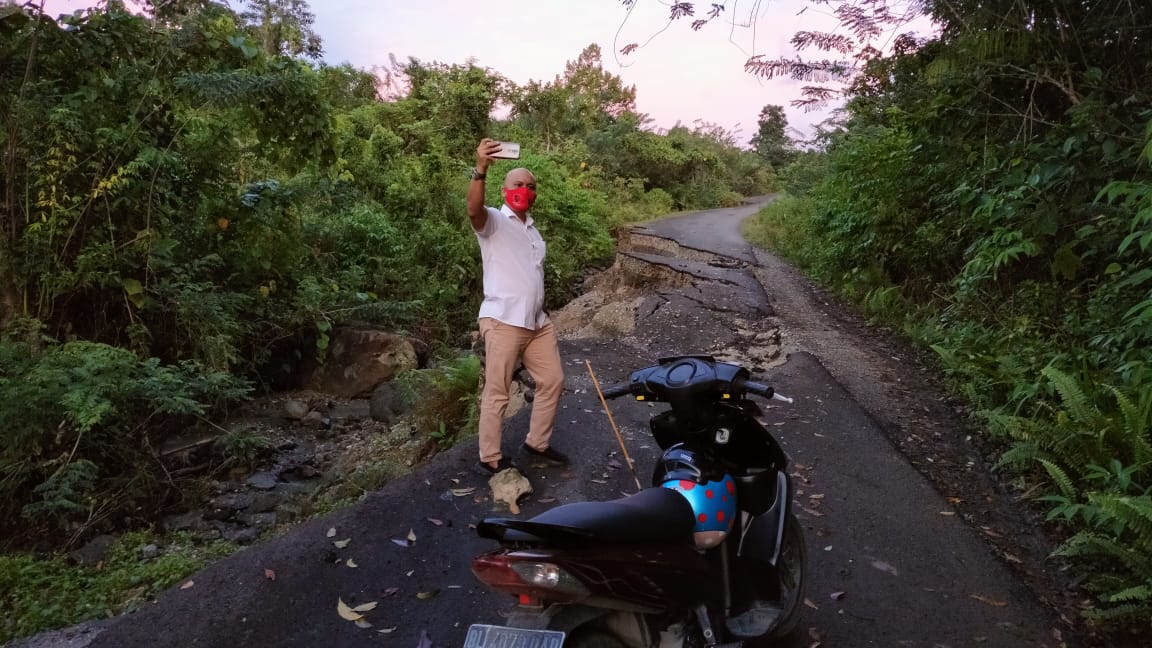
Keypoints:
(710, 555)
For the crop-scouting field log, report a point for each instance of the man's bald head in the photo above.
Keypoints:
(518, 178)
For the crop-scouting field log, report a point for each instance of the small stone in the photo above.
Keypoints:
(148, 552)
(94, 552)
(262, 481)
(295, 409)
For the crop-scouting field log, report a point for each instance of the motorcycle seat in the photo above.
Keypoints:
(653, 515)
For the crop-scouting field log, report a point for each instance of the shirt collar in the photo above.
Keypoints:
(507, 211)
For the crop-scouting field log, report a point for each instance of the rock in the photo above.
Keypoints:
(240, 535)
(94, 552)
(264, 502)
(508, 486)
(183, 521)
(148, 552)
(261, 520)
(360, 359)
(387, 403)
(232, 501)
(295, 409)
(262, 481)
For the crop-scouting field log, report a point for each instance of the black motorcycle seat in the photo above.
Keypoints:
(652, 515)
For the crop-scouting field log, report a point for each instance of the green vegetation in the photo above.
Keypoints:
(990, 190)
(190, 202)
(41, 594)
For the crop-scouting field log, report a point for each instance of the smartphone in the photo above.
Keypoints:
(508, 151)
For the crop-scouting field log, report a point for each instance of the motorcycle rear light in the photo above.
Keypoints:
(538, 579)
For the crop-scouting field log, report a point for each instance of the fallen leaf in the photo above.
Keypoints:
(598, 481)
(403, 542)
(811, 512)
(361, 623)
(546, 500)
(955, 500)
(992, 532)
(332, 532)
(461, 492)
(269, 574)
(989, 601)
(816, 497)
(366, 607)
(810, 604)
(436, 522)
(411, 536)
(340, 544)
(351, 563)
(345, 612)
(187, 585)
(391, 590)
(427, 595)
(410, 572)
(387, 630)
(1010, 558)
(836, 596)
(947, 513)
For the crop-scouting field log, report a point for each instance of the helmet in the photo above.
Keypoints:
(712, 496)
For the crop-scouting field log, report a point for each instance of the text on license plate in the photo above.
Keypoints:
(490, 636)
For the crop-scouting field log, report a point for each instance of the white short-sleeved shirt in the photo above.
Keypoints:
(513, 255)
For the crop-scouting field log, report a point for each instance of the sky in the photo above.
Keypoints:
(680, 75)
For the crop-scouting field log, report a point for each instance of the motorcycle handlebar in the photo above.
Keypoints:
(616, 391)
(758, 389)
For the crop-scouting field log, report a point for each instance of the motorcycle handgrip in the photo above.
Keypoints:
(616, 391)
(758, 388)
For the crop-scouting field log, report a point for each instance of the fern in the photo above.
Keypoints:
(1072, 396)
(1059, 477)
(1132, 514)
(1137, 423)
(1137, 593)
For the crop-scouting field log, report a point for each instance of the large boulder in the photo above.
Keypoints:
(360, 359)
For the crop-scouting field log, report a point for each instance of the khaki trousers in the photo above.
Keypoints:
(504, 346)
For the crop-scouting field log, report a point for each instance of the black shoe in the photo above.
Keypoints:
(549, 453)
(504, 463)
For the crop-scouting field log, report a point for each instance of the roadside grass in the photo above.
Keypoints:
(41, 593)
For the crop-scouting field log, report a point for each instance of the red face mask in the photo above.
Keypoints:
(520, 198)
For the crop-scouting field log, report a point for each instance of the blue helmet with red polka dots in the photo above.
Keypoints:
(711, 492)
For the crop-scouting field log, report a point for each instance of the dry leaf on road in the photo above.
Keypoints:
(345, 612)
(365, 607)
(340, 544)
(989, 601)
(332, 532)
(269, 574)
(187, 585)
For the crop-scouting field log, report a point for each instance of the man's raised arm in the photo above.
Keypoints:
(477, 212)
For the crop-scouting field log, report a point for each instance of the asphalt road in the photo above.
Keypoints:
(890, 562)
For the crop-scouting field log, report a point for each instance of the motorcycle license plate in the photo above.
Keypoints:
(490, 636)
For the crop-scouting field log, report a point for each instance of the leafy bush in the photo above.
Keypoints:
(83, 420)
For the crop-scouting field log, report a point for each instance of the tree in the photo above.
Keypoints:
(870, 23)
(283, 27)
(771, 141)
(586, 98)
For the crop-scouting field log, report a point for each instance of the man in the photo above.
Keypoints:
(513, 324)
